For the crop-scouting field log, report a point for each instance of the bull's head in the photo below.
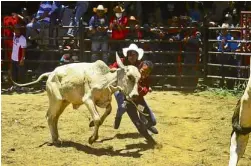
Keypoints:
(128, 77)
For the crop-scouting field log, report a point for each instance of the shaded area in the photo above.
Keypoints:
(109, 151)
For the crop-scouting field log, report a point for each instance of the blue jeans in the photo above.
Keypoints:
(17, 72)
(82, 7)
(30, 28)
(121, 110)
(99, 46)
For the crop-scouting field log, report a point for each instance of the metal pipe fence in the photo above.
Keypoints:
(202, 66)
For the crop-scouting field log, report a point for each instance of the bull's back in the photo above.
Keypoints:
(74, 79)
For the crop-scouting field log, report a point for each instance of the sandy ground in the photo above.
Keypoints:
(194, 130)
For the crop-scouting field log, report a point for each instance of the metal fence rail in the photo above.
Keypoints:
(177, 67)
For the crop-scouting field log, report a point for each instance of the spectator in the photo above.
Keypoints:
(133, 8)
(192, 46)
(71, 56)
(134, 32)
(24, 18)
(81, 9)
(118, 25)
(98, 26)
(18, 56)
(231, 14)
(10, 22)
(55, 17)
(194, 11)
(42, 20)
(224, 46)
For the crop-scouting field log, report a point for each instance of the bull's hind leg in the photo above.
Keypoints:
(56, 107)
(55, 110)
(96, 118)
(237, 148)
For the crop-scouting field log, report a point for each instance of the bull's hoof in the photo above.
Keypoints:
(55, 143)
(92, 139)
(91, 124)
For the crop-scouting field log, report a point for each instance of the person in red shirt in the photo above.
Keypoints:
(117, 26)
(144, 87)
(132, 55)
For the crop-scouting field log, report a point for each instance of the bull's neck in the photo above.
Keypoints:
(112, 78)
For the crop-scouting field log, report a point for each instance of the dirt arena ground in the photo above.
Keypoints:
(194, 130)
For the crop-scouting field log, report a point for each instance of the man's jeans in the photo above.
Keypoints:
(17, 72)
(97, 46)
(31, 27)
(82, 7)
(121, 109)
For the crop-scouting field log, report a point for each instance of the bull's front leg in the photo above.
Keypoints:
(95, 116)
(103, 117)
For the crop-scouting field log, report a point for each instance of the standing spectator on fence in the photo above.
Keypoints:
(18, 56)
(223, 46)
(42, 20)
(118, 25)
(98, 26)
(81, 9)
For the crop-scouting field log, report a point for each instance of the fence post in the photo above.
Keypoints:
(205, 48)
(81, 40)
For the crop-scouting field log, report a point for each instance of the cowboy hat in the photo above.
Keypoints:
(100, 7)
(132, 19)
(118, 9)
(134, 47)
(225, 25)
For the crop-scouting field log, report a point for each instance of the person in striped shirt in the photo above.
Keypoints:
(42, 19)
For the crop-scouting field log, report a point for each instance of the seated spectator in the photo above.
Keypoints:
(42, 20)
(118, 25)
(24, 18)
(18, 56)
(231, 14)
(70, 56)
(98, 26)
(194, 12)
(81, 9)
(134, 32)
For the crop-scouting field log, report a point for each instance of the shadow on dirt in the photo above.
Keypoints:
(109, 151)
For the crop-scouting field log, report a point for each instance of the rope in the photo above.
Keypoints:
(138, 108)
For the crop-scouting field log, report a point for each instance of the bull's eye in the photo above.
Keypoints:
(131, 78)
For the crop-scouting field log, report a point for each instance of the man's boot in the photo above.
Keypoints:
(117, 122)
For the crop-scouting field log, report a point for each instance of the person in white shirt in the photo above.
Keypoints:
(18, 55)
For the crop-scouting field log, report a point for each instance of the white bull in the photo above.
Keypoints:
(91, 84)
(241, 123)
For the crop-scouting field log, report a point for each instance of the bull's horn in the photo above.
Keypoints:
(119, 62)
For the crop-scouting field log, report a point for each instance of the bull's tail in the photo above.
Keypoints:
(34, 82)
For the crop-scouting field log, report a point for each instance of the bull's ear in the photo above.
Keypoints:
(119, 62)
